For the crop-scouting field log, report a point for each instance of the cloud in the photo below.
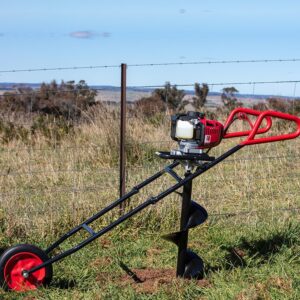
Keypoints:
(86, 34)
(105, 34)
(82, 34)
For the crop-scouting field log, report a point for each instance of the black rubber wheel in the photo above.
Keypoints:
(19, 258)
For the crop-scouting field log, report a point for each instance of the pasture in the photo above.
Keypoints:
(250, 243)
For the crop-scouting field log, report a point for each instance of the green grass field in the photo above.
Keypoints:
(250, 244)
(269, 268)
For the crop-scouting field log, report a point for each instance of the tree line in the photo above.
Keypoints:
(70, 99)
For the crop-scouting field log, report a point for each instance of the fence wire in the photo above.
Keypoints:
(209, 62)
(211, 214)
(249, 212)
(30, 172)
(113, 181)
(215, 84)
(143, 88)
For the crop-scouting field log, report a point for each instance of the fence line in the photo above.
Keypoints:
(261, 158)
(218, 84)
(78, 147)
(212, 214)
(230, 178)
(153, 65)
(74, 189)
(100, 171)
(35, 92)
(69, 68)
(39, 191)
(90, 147)
(240, 213)
(115, 169)
(214, 62)
(70, 121)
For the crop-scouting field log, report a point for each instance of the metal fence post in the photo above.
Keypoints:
(122, 132)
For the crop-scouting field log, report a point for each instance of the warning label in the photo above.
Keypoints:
(207, 139)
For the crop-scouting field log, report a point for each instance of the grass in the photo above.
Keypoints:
(270, 269)
(46, 188)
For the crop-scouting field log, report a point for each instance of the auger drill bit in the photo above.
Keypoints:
(189, 264)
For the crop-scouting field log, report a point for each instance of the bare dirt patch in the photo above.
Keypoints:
(284, 284)
(150, 280)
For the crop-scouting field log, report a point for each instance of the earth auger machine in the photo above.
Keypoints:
(26, 267)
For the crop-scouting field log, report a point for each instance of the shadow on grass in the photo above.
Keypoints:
(265, 248)
(261, 249)
(233, 259)
(64, 284)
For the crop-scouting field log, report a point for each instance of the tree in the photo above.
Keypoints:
(67, 99)
(228, 97)
(201, 93)
(170, 95)
(148, 106)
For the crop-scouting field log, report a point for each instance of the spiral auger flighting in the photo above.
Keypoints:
(189, 264)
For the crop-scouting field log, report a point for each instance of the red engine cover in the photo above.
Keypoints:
(213, 133)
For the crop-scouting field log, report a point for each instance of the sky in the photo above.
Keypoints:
(66, 33)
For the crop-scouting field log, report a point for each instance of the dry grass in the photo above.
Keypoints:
(46, 189)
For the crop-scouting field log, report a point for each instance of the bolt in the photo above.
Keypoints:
(25, 274)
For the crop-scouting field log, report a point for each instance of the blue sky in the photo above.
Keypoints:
(64, 33)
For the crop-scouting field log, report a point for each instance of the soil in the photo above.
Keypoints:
(149, 280)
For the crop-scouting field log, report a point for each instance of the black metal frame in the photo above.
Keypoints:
(186, 182)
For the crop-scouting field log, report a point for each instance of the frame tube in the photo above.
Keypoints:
(102, 212)
(151, 200)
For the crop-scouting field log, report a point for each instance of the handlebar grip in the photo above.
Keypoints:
(269, 113)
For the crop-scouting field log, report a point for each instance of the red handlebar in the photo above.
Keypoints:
(242, 113)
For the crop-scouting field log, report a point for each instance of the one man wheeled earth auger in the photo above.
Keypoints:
(26, 267)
